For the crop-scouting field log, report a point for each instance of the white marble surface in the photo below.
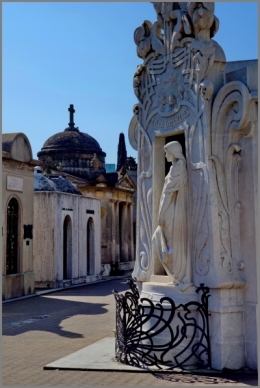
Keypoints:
(214, 116)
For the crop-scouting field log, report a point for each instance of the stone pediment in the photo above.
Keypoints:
(126, 182)
(101, 179)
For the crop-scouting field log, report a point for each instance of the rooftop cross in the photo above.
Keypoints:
(72, 111)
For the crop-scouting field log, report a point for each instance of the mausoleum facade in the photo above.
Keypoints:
(17, 216)
(197, 210)
(67, 233)
(79, 157)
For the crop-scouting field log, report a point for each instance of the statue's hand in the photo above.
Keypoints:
(161, 223)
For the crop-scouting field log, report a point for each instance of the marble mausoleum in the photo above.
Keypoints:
(195, 127)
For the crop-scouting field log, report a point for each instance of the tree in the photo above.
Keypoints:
(121, 152)
(130, 164)
(48, 164)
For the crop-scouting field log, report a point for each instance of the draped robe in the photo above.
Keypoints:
(170, 237)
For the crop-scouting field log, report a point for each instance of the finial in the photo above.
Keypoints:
(72, 111)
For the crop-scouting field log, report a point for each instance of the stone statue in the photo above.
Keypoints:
(170, 237)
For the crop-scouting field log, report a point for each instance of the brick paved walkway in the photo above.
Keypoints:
(42, 329)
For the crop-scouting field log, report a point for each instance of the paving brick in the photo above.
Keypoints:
(76, 318)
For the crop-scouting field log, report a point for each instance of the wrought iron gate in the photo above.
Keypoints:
(137, 345)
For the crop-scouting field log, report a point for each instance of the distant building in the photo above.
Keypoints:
(17, 216)
(82, 161)
(110, 167)
(66, 233)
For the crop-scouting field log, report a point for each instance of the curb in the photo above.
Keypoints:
(51, 290)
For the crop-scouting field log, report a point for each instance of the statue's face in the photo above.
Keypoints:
(169, 156)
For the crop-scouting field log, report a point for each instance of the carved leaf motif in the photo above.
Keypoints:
(226, 262)
(224, 232)
(143, 264)
(144, 256)
(201, 239)
(230, 119)
(221, 180)
(149, 202)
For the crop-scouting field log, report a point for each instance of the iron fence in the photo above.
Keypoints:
(141, 326)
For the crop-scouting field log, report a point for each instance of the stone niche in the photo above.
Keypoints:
(195, 130)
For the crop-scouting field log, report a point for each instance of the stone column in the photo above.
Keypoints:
(113, 227)
(117, 242)
(124, 233)
(130, 232)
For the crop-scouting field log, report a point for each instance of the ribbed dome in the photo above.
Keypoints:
(72, 141)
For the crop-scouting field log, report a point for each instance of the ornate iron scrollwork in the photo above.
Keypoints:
(137, 344)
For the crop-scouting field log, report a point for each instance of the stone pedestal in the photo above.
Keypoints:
(226, 311)
(155, 291)
(227, 339)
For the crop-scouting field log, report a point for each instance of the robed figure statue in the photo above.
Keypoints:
(170, 239)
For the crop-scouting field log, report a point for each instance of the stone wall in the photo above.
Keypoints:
(50, 210)
(116, 223)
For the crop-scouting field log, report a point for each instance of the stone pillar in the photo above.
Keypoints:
(117, 242)
(130, 232)
(113, 231)
(124, 233)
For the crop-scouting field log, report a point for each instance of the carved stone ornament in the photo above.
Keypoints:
(95, 162)
(180, 90)
(125, 183)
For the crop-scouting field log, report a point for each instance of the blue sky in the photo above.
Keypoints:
(83, 53)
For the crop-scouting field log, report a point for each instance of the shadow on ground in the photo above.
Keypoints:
(46, 312)
(97, 289)
(218, 379)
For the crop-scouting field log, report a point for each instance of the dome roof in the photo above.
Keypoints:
(73, 152)
(41, 183)
(72, 141)
(53, 183)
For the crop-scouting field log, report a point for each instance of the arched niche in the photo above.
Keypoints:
(67, 248)
(90, 247)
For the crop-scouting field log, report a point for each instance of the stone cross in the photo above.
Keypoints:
(72, 111)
